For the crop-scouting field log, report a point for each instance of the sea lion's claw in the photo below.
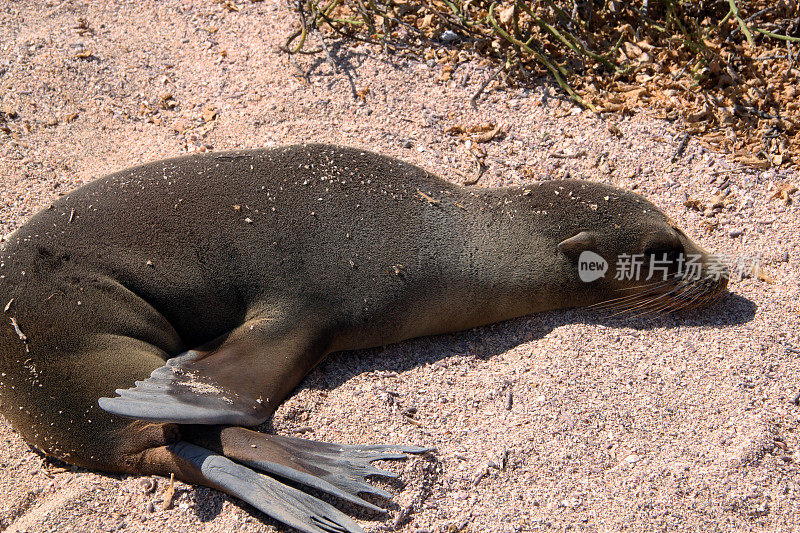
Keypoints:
(180, 393)
(281, 502)
(329, 525)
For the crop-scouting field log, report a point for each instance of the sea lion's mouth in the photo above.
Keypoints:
(675, 292)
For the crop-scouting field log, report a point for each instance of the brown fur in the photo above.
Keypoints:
(319, 248)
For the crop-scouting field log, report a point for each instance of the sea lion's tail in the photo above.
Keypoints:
(49, 388)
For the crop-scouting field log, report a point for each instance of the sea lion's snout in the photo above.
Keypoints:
(705, 282)
(665, 279)
(681, 274)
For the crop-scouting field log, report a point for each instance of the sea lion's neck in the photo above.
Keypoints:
(511, 258)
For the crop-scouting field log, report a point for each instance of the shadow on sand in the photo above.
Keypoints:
(494, 339)
(484, 342)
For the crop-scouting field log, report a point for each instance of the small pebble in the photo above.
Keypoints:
(736, 233)
(402, 515)
(449, 36)
(504, 459)
(148, 485)
(632, 458)
(480, 475)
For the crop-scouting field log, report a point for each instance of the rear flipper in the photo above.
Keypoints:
(183, 392)
(339, 470)
(281, 502)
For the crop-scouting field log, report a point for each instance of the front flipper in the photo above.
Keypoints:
(281, 502)
(337, 469)
(181, 394)
(238, 379)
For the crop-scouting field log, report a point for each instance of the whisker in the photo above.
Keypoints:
(641, 289)
(627, 310)
(674, 299)
(694, 303)
(704, 296)
(647, 290)
(707, 297)
(661, 297)
(675, 303)
(626, 307)
(649, 302)
(658, 308)
(666, 279)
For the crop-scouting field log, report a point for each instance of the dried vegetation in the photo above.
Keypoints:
(727, 70)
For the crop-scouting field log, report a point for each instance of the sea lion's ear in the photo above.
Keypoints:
(576, 244)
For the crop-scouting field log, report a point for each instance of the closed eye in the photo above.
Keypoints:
(662, 244)
(671, 254)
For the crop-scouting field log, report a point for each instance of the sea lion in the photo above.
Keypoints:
(150, 315)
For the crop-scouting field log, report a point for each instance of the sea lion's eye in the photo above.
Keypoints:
(660, 246)
(662, 252)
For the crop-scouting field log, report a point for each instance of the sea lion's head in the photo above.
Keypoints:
(622, 252)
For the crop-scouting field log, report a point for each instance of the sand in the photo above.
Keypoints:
(565, 420)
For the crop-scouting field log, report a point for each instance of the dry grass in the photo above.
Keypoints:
(727, 70)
